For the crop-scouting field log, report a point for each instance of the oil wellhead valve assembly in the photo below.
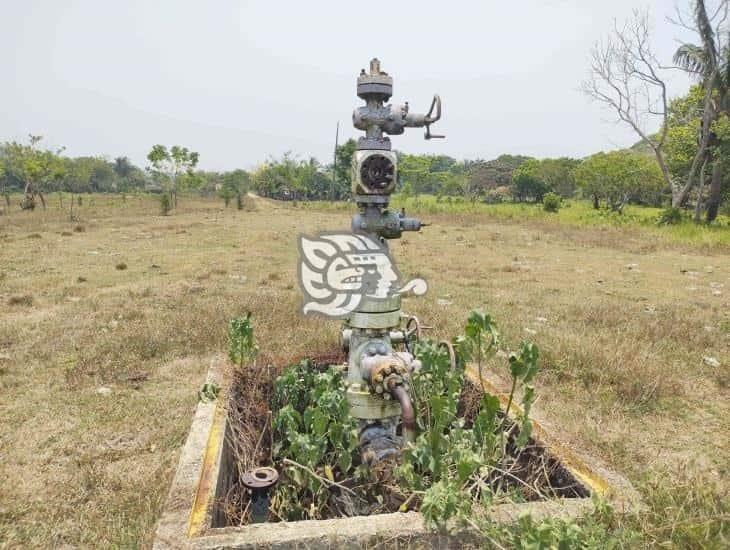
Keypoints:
(377, 373)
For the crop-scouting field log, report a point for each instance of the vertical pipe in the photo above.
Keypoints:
(408, 417)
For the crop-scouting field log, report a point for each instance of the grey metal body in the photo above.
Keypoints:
(377, 373)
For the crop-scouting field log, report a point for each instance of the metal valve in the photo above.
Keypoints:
(377, 118)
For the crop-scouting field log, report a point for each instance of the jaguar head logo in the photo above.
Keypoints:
(338, 270)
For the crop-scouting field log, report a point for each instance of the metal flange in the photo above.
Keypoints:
(260, 478)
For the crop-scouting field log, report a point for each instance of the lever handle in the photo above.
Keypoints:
(430, 118)
(429, 135)
(435, 103)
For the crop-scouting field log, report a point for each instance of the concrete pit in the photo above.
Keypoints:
(208, 474)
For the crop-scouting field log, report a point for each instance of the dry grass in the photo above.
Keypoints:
(623, 347)
(21, 300)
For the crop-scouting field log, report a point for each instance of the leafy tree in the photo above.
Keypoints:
(235, 184)
(440, 175)
(172, 166)
(321, 185)
(533, 178)
(683, 142)
(305, 182)
(137, 179)
(619, 176)
(208, 182)
(558, 175)
(38, 169)
(710, 63)
(290, 178)
(685, 119)
(453, 184)
(278, 178)
(226, 192)
(444, 163)
(489, 175)
(123, 167)
(415, 171)
(128, 175)
(103, 177)
(407, 190)
(343, 173)
(190, 181)
(527, 181)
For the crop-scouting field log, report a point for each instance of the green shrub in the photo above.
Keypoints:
(670, 216)
(551, 202)
(313, 430)
(448, 466)
(165, 204)
(242, 345)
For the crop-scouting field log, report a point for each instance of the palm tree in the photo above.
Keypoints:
(710, 63)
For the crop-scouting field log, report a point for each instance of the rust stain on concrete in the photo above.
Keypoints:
(208, 474)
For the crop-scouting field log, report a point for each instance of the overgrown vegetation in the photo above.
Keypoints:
(315, 441)
(467, 452)
(458, 461)
(670, 216)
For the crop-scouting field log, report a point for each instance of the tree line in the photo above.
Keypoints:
(609, 179)
(683, 165)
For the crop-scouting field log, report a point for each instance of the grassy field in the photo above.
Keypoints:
(574, 213)
(108, 325)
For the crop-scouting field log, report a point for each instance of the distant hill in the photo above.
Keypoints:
(642, 148)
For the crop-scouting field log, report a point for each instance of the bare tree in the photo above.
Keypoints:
(625, 77)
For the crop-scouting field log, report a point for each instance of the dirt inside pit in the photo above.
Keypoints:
(527, 474)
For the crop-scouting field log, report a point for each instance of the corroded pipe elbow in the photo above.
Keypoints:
(408, 416)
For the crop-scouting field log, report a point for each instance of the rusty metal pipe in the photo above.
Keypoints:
(408, 416)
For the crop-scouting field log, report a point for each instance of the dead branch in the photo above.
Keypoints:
(625, 77)
(319, 477)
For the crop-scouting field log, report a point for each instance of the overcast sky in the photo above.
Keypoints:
(240, 81)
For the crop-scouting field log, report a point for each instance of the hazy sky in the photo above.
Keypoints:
(239, 81)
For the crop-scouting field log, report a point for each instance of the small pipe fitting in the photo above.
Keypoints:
(260, 481)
